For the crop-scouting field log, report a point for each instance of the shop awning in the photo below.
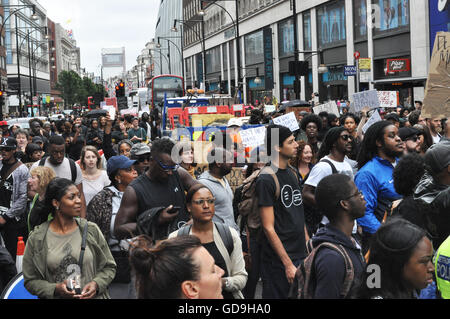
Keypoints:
(410, 79)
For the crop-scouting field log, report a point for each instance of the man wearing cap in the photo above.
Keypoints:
(13, 195)
(393, 118)
(141, 154)
(433, 191)
(411, 139)
(4, 132)
(137, 134)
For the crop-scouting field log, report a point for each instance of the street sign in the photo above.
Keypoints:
(350, 70)
(357, 55)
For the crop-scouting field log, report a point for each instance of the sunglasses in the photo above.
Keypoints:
(142, 159)
(201, 202)
(347, 137)
(167, 168)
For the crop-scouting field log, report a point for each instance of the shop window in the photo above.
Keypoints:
(331, 24)
(254, 48)
(390, 15)
(307, 31)
(286, 38)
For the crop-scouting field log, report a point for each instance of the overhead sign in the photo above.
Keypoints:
(350, 70)
(365, 98)
(289, 120)
(436, 103)
(388, 99)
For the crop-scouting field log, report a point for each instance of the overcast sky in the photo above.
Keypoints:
(98, 24)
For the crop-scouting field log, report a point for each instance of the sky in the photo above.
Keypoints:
(98, 24)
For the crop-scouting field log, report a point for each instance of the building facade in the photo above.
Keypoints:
(332, 30)
(27, 56)
(168, 55)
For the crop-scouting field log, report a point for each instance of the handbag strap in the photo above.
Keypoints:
(83, 246)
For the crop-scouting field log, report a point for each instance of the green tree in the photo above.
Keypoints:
(69, 83)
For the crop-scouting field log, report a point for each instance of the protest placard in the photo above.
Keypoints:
(269, 108)
(365, 98)
(253, 137)
(373, 119)
(330, 107)
(388, 99)
(289, 120)
(436, 103)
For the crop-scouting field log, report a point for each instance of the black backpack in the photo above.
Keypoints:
(224, 232)
(73, 167)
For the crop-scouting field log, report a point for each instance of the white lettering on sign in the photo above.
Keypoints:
(238, 107)
(212, 109)
(193, 110)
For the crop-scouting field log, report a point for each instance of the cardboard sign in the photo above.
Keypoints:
(253, 137)
(388, 99)
(365, 98)
(436, 103)
(288, 120)
(330, 107)
(373, 119)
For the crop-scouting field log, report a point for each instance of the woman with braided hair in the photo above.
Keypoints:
(401, 254)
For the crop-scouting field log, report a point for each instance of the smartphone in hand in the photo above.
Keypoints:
(173, 210)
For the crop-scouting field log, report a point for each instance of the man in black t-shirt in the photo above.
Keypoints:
(282, 218)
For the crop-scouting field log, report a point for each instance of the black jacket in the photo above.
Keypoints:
(329, 266)
(7, 268)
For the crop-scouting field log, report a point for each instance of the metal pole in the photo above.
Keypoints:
(29, 69)
(19, 90)
(168, 55)
(294, 18)
(204, 52)
(238, 45)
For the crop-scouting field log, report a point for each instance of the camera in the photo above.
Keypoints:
(74, 283)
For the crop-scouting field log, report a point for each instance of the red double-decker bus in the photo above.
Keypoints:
(159, 86)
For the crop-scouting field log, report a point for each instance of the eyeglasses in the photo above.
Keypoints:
(356, 194)
(201, 202)
(347, 137)
(143, 158)
(167, 168)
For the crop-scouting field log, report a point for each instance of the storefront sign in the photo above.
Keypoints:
(350, 70)
(268, 58)
(398, 65)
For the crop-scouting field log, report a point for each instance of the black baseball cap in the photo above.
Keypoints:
(9, 143)
(407, 132)
(438, 157)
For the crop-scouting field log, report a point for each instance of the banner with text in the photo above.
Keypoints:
(330, 107)
(288, 120)
(253, 137)
(365, 98)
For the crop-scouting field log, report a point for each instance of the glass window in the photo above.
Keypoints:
(307, 31)
(331, 24)
(390, 15)
(254, 48)
(213, 60)
(360, 19)
(232, 54)
(286, 38)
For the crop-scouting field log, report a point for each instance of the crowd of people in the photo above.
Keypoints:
(111, 209)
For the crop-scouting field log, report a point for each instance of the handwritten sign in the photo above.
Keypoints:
(330, 107)
(269, 108)
(387, 99)
(365, 98)
(288, 120)
(253, 137)
(373, 119)
(436, 103)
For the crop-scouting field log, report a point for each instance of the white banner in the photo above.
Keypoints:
(288, 120)
(253, 137)
(330, 107)
(365, 98)
(388, 99)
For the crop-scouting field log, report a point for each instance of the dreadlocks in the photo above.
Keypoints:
(329, 140)
(369, 148)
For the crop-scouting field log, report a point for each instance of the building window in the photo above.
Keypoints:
(212, 60)
(254, 48)
(360, 19)
(286, 38)
(307, 31)
(390, 15)
(331, 24)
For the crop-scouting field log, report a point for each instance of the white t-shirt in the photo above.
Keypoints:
(436, 139)
(322, 170)
(63, 170)
(92, 188)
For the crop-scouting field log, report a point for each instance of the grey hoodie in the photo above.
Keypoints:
(224, 199)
